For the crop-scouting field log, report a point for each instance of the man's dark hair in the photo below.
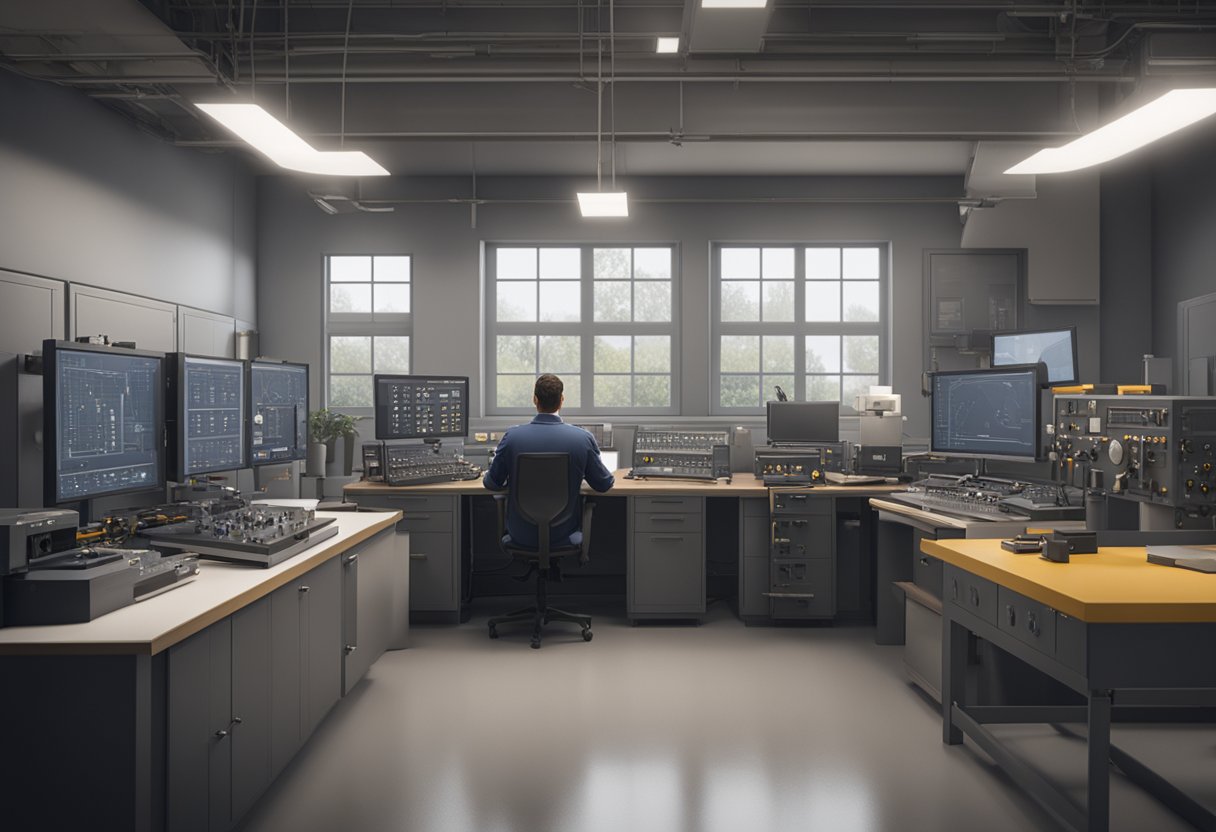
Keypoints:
(548, 393)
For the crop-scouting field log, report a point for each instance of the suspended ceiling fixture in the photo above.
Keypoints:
(599, 203)
(274, 140)
(1169, 113)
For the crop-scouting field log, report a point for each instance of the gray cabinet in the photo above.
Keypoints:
(666, 558)
(802, 551)
(218, 730)
(322, 650)
(286, 665)
(431, 522)
(754, 533)
(371, 574)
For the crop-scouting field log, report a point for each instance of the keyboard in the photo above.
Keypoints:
(665, 472)
(957, 507)
(837, 478)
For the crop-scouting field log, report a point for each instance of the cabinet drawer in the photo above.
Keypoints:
(416, 520)
(1028, 621)
(808, 536)
(410, 502)
(667, 573)
(667, 505)
(667, 523)
(974, 594)
(800, 502)
(801, 588)
(927, 573)
(432, 576)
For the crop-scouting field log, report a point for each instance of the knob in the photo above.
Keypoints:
(1190, 484)
(220, 734)
(1203, 488)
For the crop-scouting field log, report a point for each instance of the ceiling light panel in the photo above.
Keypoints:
(668, 46)
(600, 204)
(733, 4)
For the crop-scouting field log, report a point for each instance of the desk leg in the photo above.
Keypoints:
(1098, 800)
(954, 676)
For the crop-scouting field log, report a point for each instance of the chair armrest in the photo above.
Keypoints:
(584, 554)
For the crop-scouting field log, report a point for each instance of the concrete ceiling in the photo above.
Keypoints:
(802, 87)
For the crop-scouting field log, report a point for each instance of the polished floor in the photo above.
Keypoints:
(717, 728)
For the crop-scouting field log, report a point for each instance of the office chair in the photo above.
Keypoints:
(539, 492)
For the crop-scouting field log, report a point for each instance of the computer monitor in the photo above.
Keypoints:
(421, 407)
(801, 422)
(1057, 348)
(278, 412)
(205, 415)
(103, 421)
(988, 414)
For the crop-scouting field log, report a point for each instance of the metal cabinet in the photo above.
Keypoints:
(802, 568)
(372, 580)
(666, 558)
(218, 758)
(434, 535)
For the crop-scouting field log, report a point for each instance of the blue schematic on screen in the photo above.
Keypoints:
(278, 397)
(987, 413)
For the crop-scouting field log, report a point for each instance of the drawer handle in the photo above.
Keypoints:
(418, 556)
(954, 589)
(1032, 625)
(1013, 616)
(788, 594)
(416, 517)
(924, 561)
(352, 558)
(975, 596)
(223, 732)
(667, 518)
(350, 648)
(660, 501)
(305, 588)
(667, 538)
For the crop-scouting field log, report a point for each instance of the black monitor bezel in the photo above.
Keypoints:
(768, 416)
(1072, 330)
(301, 452)
(1039, 369)
(384, 434)
(50, 420)
(175, 408)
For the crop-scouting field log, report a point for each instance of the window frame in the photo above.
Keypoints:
(362, 324)
(586, 328)
(799, 328)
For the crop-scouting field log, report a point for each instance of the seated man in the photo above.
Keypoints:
(547, 433)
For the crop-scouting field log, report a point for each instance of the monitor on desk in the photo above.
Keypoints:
(803, 422)
(1057, 348)
(421, 407)
(611, 459)
(205, 415)
(988, 414)
(278, 401)
(103, 421)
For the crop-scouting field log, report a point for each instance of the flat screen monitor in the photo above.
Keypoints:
(278, 407)
(206, 415)
(794, 422)
(1057, 348)
(421, 407)
(992, 414)
(103, 421)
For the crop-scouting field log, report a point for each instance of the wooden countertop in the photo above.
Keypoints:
(1114, 585)
(150, 626)
(743, 485)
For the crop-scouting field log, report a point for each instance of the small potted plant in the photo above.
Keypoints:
(325, 428)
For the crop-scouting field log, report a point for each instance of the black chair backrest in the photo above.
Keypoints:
(540, 492)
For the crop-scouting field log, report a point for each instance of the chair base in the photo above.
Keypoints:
(540, 617)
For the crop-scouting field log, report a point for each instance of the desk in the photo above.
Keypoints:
(1105, 625)
(177, 712)
(669, 525)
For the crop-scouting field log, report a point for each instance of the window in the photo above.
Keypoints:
(810, 319)
(368, 321)
(601, 317)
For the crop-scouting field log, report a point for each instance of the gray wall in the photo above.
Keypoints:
(1183, 229)
(1127, 286)
(87, 197)
(294, 235)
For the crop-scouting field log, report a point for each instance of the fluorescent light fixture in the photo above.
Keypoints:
(1158, 118)
(599, 204)
(733, 4)
(667, 46)
(277, 142)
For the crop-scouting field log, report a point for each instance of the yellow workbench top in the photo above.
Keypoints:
(1114, 585)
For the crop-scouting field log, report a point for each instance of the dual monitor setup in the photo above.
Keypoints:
(123, 420)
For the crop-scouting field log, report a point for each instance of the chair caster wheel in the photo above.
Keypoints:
(493, 631)
(535, 644)
(586, 635)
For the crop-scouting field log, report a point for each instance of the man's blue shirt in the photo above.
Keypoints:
(547, 433)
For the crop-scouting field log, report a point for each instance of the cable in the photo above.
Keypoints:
(350, 9)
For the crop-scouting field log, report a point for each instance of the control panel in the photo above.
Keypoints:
(804, 465)
(1154, 449)
(677, 449)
